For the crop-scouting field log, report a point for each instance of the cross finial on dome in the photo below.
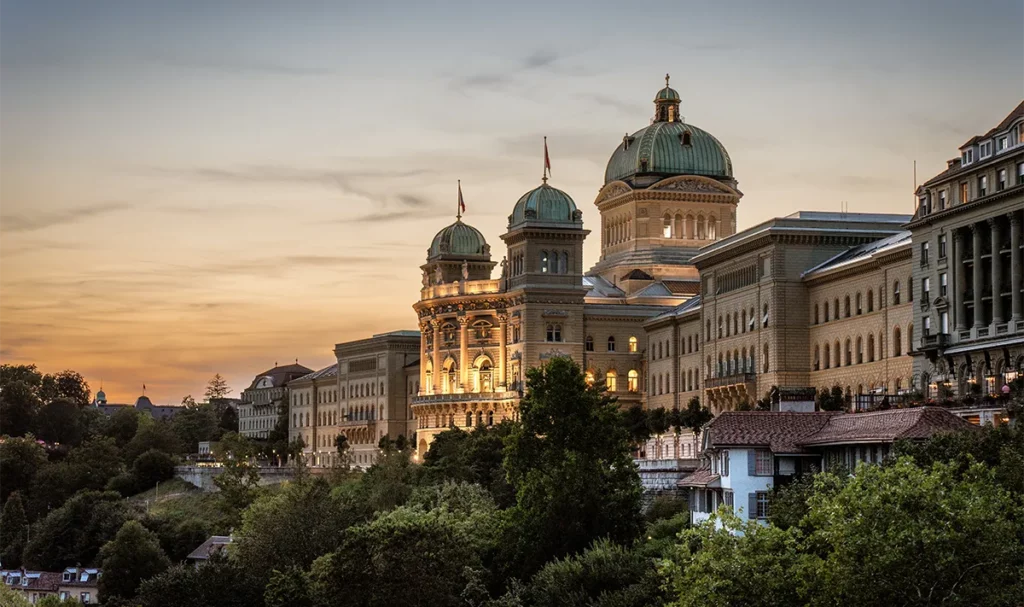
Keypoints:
(666, 78)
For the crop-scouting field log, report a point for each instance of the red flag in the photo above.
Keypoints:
(547, 159)
(462, 203)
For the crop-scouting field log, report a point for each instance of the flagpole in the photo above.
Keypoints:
(458, 202)
(544, 175)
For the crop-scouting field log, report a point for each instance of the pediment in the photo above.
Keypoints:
(695, 184)
(613, 190)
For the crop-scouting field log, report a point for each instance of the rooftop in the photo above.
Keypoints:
(887, 426)
(864, 252)
(213, 545)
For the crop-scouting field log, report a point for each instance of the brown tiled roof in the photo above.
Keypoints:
(682, 287)
(886, 426)
(701, 477)
(637, 275)
(1016, 113)
(40, 581)
(780, 431)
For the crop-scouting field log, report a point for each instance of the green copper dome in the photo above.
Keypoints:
(459, 240)
(667, 149)
(545, 204)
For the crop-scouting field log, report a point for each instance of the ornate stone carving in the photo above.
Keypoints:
(689, 185)
(613, 191)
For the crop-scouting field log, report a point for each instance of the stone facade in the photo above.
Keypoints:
(263, 400)
(968, 254)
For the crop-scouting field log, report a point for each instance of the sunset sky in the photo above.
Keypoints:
(189, 188)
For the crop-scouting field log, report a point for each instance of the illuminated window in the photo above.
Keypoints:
(590, 378)
(632, 344)
(611, 381)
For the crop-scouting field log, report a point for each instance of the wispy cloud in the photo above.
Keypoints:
(541, 59)
(30, 221)
(235, 65)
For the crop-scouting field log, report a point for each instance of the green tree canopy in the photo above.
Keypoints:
(67, 385)
(74, 533)
(472, 457)
(152, 434)
(19, 404)
(152, 467)
(132, 556)
(13, 531)
(60, 421)
(122, 425)
(20, 461)
(216, 388)
(570, 463)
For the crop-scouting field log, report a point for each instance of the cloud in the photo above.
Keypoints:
(39, 221)
(541, 59)
(622, 106)
(410, 200)
(394, 216)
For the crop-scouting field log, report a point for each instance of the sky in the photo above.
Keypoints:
(190, 188)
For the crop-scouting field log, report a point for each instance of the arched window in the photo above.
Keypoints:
(860, 350)
(701, 228)
(764, 316)
(849, 353)
(871, 300)
(815, 313)
(910, 338)
(677, 226)
(712, 228)
(764, 359)
(554, 332)
(490, 418)
(544, 261)
(469, 419)
(897, 342)
(846, 307)
(564, 268)
(691, 227)
(896, 293)
(589, 344)
(633, 381)
(837, 355)
(721, 328)
(611, 343)
(728, 324)
(826, 311)
(382, 388)
(735, 324)
(835, 308)
(661, 353)
(632, 344)
(871, 348)
(610, 381)
(659, 389)
(860, 310)
(666, 228)
(881, 346)
(707, 332)
(817, 357)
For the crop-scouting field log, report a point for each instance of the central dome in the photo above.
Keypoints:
(544, 204)
(459, 240)
(668, 147)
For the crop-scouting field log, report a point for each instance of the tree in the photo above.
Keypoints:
(724, 562)
(12, 598)
(13, 531)
(90, 466)
(152, 434)
(67, 385)
(194, 425)
(570, 463)
(634, 420)
(473, 457)
(28, 375)
(1000, 449)
(151, 468)
(217, 387)
(123, 425)
(228, 420)
(60, 421)
(695, 417)
(606, 574)
(74, 533)
(831, 400)
(240, 476)
(188, 402)
(218, 582)
(950, 537)
(131, 557)
(18, 406)
(20, 460)
(288, 588)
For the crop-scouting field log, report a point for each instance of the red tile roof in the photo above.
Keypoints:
(682, 287)
(702, 477)
(780, 431)
(886, 426)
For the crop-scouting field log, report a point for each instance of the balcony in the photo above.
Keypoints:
(470, 287)
(730, 380)
(935, 341)
(464, 397)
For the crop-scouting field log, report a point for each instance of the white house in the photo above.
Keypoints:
(746, 453)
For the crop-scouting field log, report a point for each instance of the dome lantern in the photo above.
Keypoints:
(666, 104)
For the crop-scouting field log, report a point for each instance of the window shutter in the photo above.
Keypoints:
(752, 462)
(751, 506)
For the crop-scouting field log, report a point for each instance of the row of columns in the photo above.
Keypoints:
(1016, 272)
(464, 363)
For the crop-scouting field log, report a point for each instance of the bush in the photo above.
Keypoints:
(152, 467)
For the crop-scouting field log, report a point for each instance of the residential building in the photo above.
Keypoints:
(263, 400)
(968, 256)
(747, 453)
(80, 583)
(73, 583)
(213, 546)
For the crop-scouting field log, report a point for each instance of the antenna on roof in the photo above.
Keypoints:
(915, 187)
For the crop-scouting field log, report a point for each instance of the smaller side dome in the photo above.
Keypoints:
(667, 94)
(547, 205)
(459, 240)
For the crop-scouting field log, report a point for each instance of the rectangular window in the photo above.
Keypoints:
(942, 200)
(729, 499)
(927, 325)
(985, 150)
(942, 246)
(725, 467)
(926, 287)
(762, 504)
(763, 463)
(1000, 180)
(967, 157)
(944, 322)
(943, 284)
(982, 185)
(1001, 144)
(1020, 173)
(924, 253)
(964, 193)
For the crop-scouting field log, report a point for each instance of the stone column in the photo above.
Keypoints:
(423, 358)
(979, 313)
(436, 371)
(997, 272)
(502, 353)
(464, 352)
(1016, 266)
(957, 285)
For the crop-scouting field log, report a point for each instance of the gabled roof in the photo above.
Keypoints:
(655, 289)
(1014, 114)
(886, 426)
(780, 431)
(682, 287)
(329, 371)
(702, 477)
(637, 275)
(600, 287)
(861, 253)
(213, 545)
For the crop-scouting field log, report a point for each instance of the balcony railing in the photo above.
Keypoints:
(936, 340)
(730, 380)
(469, 287)
(431, 399)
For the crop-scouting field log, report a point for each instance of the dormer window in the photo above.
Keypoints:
(985, 150)
(67, 576)
(685, 139)
(967, 156)
(1002, 143)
